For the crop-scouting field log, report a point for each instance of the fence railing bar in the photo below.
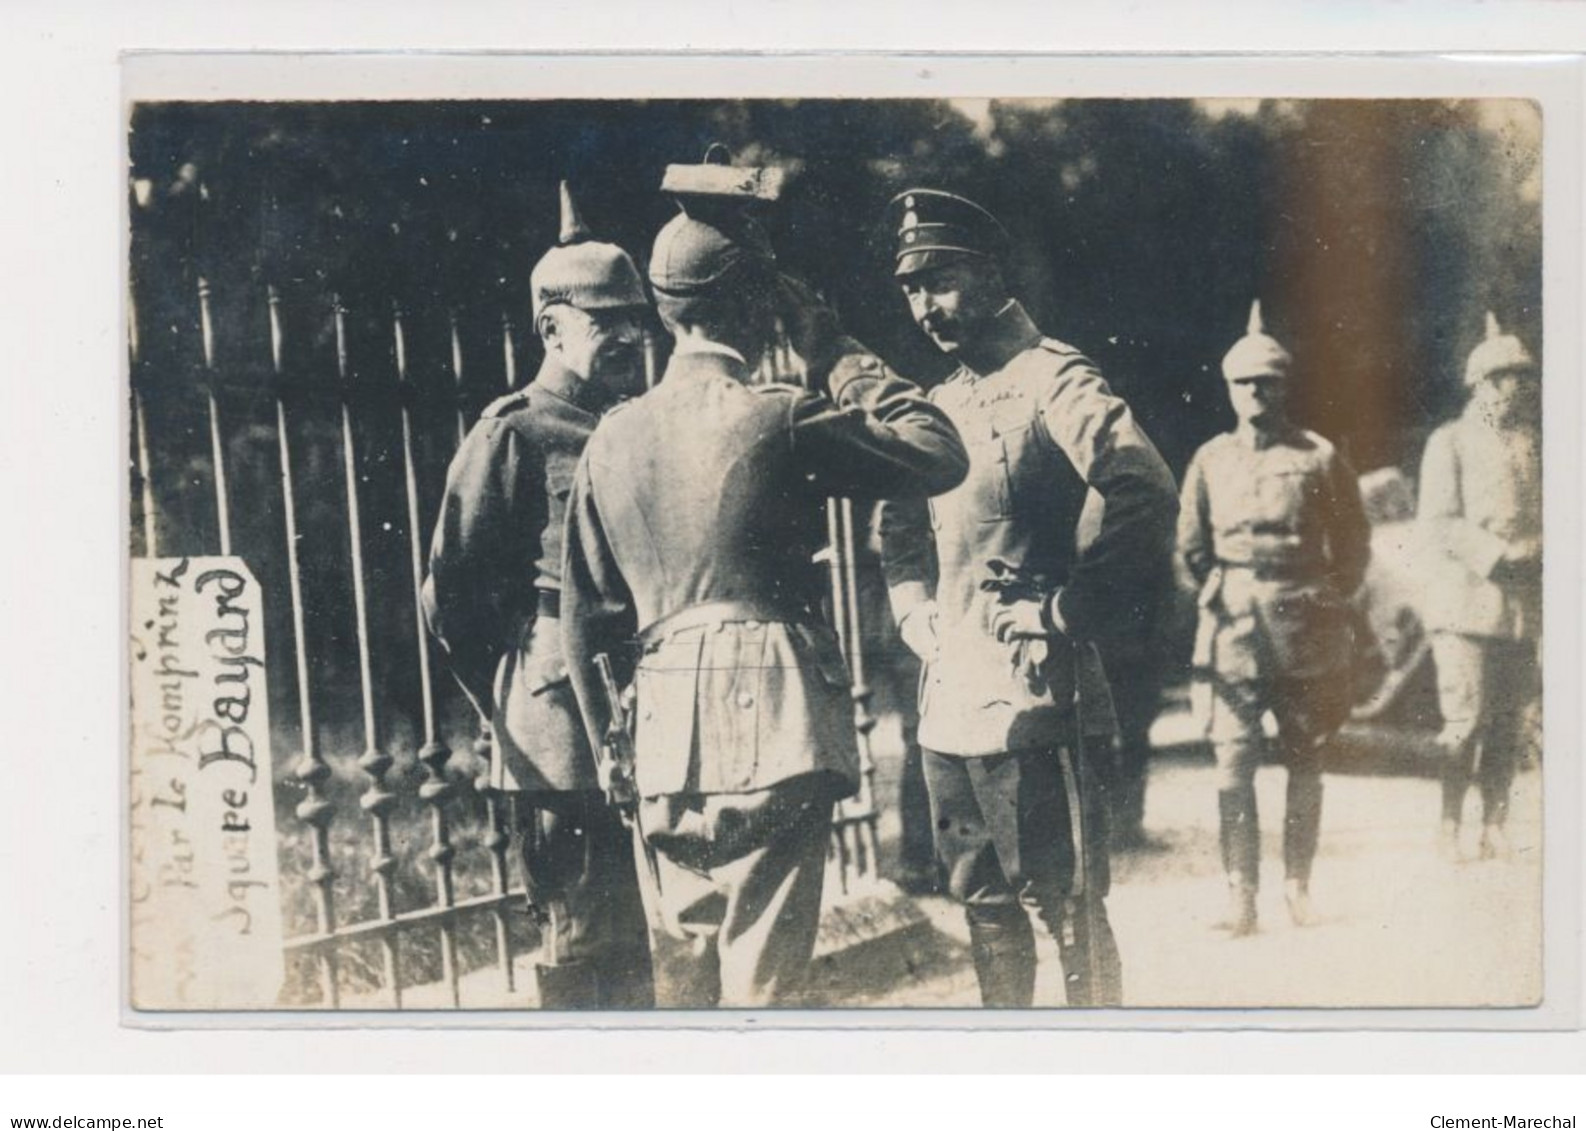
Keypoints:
(216, 444)
(402, 921)
(312, 771)
(434, 754)
(140, 432)
(457, 375)
(376, 800)
(509, 352)
(861, 809)
(495, 843)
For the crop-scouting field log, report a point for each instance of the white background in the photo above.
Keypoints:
(60, 593)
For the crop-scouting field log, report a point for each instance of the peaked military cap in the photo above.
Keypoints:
(1497, 353)
(931, 227)
(1257, 354)
(583, 272)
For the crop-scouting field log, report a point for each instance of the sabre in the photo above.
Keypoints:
(1014, 583)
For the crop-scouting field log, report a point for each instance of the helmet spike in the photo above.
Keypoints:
(574, 230)
(1493, 329)
(1255, 325)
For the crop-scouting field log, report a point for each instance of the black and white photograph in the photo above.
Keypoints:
(1053, 555)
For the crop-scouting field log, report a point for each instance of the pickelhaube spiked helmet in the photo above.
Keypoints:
(1257, 354)
(1496, 353)
(583, 272)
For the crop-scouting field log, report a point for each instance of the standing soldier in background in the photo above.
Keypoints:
(493, 600)
(1273, 536)
(693, 521)
(1014, 696)
(1481, 517)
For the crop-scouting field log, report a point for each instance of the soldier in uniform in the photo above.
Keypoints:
(693, 520)
(1014, 711)
(1481, 515)
(1274, 538)
(493, 600)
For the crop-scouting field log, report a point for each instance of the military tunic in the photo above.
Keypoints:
(693, 520)
(1274, 537)
(1480, 502)
(1044, 434)
(492, 599)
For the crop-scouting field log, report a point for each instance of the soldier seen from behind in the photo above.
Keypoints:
(1480, 514)
(1274, 539)
(493, 599)
(994, 593)
(694, 520)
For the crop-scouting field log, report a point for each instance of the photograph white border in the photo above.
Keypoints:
(64, 85)
(1552, 82)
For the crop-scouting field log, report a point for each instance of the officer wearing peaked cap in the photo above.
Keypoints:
(493, 599)
(1274, 539)
(701, 551)
(994, 592)
(1481, 517)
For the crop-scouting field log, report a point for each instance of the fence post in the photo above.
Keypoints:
(315, 810)
(216, 444)
(376, 800)
(434, 753)
(140, 432)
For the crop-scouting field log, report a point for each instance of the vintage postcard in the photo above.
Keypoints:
(1024, 553)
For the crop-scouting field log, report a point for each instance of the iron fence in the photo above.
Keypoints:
(298, 432)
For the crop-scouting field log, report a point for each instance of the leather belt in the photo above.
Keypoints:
(709, 613)
(549, 603)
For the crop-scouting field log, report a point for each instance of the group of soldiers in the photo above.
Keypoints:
(624, 582)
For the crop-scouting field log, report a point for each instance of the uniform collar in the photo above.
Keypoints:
(560, 381)
(714, 355)
(1010, 334)
(701, 346)
(1260, 439)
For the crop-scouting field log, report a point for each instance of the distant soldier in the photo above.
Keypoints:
(1481, 515)
(1273, 535)
(995, 594)
(693, 522)
(493, 598)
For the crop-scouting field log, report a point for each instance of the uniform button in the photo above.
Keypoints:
(751, 625)
(649, 712)
(746, 700)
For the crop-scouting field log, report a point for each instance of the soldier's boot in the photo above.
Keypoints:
(1494, 815)
(1302, 825)
(627, 980)
(1240, 835)
(568, 985)
(1456, 781)
(1088, 950)
(1002, 944)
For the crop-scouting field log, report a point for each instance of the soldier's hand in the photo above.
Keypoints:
(918, 630)
(1017, 620)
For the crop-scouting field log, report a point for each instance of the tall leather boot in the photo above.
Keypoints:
(568, 985)
(1302, 824)
(627, 979)
(1239, 832)
(1002, 943)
